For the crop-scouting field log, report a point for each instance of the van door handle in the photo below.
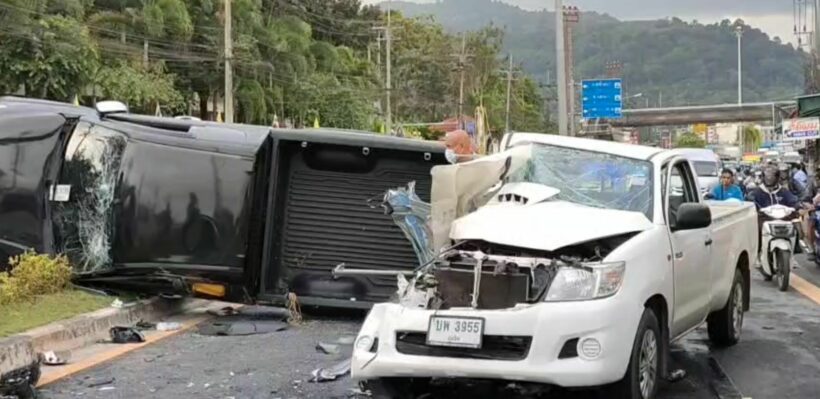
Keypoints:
(678, 255)
(708, 242)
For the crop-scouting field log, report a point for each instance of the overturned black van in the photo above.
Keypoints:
(162, 204)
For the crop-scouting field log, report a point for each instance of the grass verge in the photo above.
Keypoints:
(19, 317)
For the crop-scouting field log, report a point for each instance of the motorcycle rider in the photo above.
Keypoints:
(811, 195)
(727, 189)
(771, 192)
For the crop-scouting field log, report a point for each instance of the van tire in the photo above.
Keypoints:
(725, 325)
(629, 387)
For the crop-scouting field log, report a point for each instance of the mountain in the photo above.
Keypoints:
(685, 63)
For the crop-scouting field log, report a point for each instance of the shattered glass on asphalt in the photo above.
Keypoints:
(591, 178)
(86, 221)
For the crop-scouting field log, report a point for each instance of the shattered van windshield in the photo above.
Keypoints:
(591, 178)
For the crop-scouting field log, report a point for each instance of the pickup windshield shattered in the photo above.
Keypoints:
(590, 178)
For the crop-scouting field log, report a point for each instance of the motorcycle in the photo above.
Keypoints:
(779, 238)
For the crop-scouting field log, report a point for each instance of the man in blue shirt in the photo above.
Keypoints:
(727, 189)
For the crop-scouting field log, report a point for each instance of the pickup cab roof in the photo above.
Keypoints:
(620, 149)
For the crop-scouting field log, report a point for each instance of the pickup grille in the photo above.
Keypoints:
(494, 347)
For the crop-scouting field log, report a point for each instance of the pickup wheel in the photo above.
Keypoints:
(641, 379)
(725, 325)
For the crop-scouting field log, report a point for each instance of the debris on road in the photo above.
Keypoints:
(336, 347)
(20, 383)
(295, 309)
(327, 349)
(119, 304)
(51, 358)
(168, 326)
(126, 335)
(226, 311)
(100, 382)
(331, 373)
(228, 328)
(145, 325)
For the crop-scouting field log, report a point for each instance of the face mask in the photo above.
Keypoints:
(451, 156)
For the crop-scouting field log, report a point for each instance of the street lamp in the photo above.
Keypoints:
(739, 33)
(639, 95)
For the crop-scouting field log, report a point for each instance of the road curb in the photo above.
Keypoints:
(21, 350)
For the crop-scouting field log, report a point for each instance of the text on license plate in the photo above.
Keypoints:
(463, 332)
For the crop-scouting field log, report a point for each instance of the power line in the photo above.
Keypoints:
(350, 21)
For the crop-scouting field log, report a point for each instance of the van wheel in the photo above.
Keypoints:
(725, 325)
(641, 379)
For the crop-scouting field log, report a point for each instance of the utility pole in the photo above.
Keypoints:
(228, 68)
(560, 63)
(509, 94)
(739, 33)
(461, 67)
(816, 36)
(461, 61)
(389, 84)
(571, 16)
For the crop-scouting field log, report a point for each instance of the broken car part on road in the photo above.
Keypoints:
(242, 213)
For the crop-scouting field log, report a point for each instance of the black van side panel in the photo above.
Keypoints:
(323, 192)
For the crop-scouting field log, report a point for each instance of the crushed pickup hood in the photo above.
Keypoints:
(546, 226)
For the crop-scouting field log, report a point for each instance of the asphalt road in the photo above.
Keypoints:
(778, 358)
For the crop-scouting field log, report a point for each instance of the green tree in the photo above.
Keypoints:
(690, 140)
(752, 139)
(139, 87)
(45, 48)
(688, 62)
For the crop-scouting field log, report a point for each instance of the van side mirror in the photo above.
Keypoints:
(693, 216)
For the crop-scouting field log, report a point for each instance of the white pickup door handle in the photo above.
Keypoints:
(678, 255)
(708, 242)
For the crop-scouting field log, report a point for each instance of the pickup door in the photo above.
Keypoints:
(691, 250)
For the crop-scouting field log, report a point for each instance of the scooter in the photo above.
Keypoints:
(779, 238)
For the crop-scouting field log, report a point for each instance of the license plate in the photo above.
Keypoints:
(462, 332)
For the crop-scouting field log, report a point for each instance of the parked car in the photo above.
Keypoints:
(707, 166)
(580, 270)
(239, 212)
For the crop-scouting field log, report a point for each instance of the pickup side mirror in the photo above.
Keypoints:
(692, 216)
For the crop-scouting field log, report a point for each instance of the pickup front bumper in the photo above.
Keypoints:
(550, 343)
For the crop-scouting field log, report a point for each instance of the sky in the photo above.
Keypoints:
(775, 17)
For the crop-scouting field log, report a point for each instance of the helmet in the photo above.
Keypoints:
(771, 176)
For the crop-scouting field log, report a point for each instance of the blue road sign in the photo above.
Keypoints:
(601, 98)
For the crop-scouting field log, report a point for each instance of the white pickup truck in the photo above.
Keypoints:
(579, 268)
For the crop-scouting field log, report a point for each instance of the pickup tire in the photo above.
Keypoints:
(724, 325)
(642, 375)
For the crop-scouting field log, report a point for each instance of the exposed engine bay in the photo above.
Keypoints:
(482, 275)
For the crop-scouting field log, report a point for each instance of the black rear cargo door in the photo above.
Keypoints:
(322, 196)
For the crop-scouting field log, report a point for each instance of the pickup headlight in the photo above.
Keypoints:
(592, 281)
